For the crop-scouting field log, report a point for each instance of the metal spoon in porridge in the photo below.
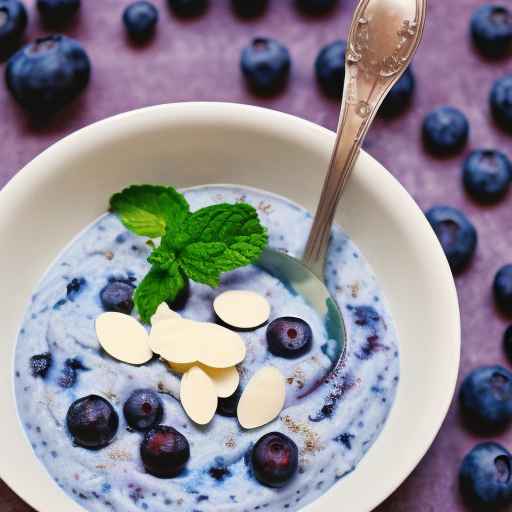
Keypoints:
(383, 38)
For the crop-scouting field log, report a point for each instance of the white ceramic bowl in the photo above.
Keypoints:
(68, 185)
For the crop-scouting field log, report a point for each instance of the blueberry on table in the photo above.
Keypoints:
(249, 8)
(47, 74)
(140, 19)
(507, 343)
(486, 175)
(265, 65)
(485, 477)
(188, 8)
(13, 21)
(92, 422)
(56, 13)
(502, 288)
(117, 296)
(491, 30)
(143, 410)
(315, 6)
(400, 95)
(330, 68)
(486, 398)
(289, 337)
(501, 102)
(164, 452)
(445, 130)
(456, 234)
(274, 459)
(227, 406)
(40, 364)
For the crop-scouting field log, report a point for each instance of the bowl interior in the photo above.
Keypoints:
(68, 185)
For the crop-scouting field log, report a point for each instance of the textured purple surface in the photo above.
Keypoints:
(198, 60)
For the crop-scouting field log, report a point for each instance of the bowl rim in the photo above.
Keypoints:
(268, 121)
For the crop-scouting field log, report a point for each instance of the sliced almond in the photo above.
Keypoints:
(262, 399)
(198, 395)
(220, 347)
(177, 341)
(181, 368)
(164, 312)
(122, 337)
(243, 309)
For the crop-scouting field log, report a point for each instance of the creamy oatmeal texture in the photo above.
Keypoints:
(333, 421)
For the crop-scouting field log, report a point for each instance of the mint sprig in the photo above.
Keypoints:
(200, 245)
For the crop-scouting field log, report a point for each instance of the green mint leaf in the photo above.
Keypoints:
(150, 210)
(158, 286)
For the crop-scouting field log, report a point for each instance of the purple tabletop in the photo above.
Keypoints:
(198, 60)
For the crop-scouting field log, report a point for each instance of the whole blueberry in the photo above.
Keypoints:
(40, 364)
(445, 130)
(289, 337)
(265, 65)
(507, 343)
(228, 406)
(486, 398)
(56, 13)
(502, 288)
(140, 19)
(13, 21)
(330, 68)
(491, 29)
(92, 422)
(315, 6)
(487, 174)
(143, 410)
(400, 95)
(485, 477)
(164, 452)
(188, 8)
(249, 8)
(117, 296)
(501, 102)
(456, 234)
(274, 459)
(46, 75)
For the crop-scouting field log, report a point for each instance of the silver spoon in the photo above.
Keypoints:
(383, 38)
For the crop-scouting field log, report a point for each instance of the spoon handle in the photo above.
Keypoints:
(383, 38)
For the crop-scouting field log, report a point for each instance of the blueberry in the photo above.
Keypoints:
(143, 410)
(117, 296)
(445, 130)
(491, 29)
(400, 95)
(502, 288)
(40, 364)
(56, 13)
(140, 19)
(46, 75)
(486, 398)
(274, 459)
(456, 234)
(330, 68)
(188, 8)
(486, 175)
(249, 8)
(69, 374)
(74, 287)
(164, 452)
(484, 477)
(501, 102)
(92, 422)
(507, 343)
(289, 337)
(265, 64)
(13, 21)
(228, 406)
(315, 6)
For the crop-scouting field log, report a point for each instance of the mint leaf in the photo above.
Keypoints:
(158, 285)
(150, 210)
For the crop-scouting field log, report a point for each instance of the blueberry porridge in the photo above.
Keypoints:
(172, 374)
